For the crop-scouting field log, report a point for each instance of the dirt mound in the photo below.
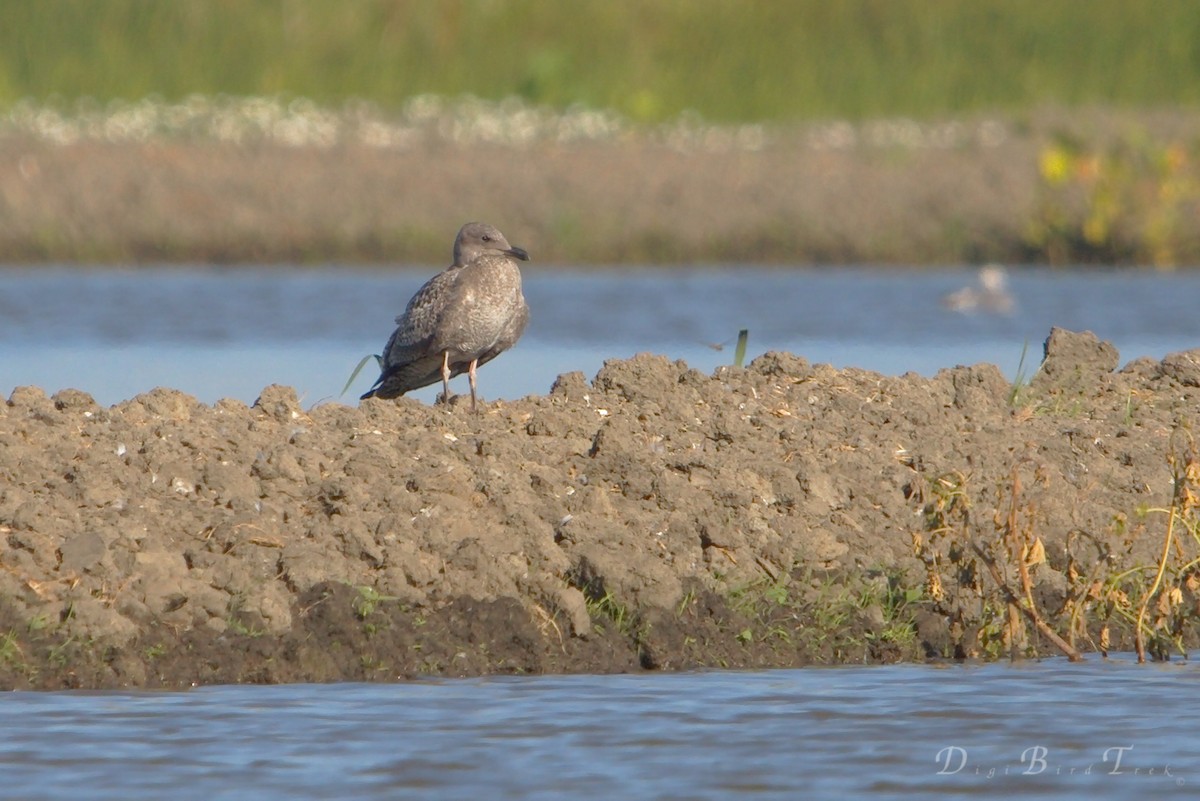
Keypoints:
(655, 517)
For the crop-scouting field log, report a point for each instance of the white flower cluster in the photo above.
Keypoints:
(907, 134)
(469, 120)
(430, 118)
(691, 133)
(302, 123)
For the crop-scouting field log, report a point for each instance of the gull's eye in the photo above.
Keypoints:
(487, 238)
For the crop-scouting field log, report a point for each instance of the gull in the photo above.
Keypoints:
(991, 295)
(462, 318)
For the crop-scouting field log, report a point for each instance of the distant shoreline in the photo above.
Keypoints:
(593, 190)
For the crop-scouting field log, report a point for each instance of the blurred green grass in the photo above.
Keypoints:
(728, 60)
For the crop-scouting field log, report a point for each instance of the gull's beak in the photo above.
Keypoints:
(518, 253)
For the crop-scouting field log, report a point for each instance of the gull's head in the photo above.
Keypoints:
(477, 239)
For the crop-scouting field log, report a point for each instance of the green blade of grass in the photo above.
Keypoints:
(1021, 380)
(739, 355)
(358, 369)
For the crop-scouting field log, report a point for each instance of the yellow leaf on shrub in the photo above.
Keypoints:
(1054, 165)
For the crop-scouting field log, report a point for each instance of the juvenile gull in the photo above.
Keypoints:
(462, 318)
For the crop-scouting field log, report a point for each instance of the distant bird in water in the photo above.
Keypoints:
(462, 318)
(991, 295)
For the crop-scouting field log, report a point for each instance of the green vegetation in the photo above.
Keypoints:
(739, 354)
(831, 617)
(727, 60)
(366, 603)
(10, 650)
(368, 599)
(235, 619)
(1017, 395)
(608, 608)
(22, 652)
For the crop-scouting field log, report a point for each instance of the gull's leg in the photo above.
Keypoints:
(446, 376)
(471, 375)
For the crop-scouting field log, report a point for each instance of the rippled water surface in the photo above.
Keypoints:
(230, 332)
(1100, 730)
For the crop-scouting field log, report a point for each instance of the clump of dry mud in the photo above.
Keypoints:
(655, 517)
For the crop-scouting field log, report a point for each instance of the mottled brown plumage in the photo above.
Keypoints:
(463, 317)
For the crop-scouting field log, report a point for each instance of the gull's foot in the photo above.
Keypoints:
(458, 401)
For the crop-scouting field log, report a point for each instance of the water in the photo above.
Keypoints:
(229, 332)
(1099, 730)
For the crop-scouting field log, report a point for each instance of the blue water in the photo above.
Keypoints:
(229, 332)
(1097, 730)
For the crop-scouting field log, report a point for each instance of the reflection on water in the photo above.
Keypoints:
(230, 332)
(1097, 730)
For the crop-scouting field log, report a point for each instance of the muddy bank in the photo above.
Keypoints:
(652, 518)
